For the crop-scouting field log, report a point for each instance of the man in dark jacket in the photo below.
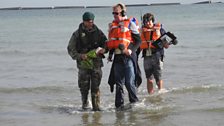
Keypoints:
(86, 46)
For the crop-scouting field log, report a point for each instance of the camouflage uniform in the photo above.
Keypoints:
(81, 42)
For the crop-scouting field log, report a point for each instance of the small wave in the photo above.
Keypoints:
(197, 89)
(219, 110)
(220, 27)
(219, 46)
(63, 109)
(66, 109)
(207, 109)
(184, 47)
(48, 52)
(12, 52)
(42, 89)
(15, 52)
(141, 106)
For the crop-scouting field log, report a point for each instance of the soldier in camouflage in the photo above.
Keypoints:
(87, 46)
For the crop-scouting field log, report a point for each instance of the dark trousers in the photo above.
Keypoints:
(125, 75)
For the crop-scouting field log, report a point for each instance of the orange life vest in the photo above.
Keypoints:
(119, 33)
(146, 37)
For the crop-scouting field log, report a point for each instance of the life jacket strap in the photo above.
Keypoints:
(123, 39)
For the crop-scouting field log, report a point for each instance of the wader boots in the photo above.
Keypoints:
(96, 101)
(85, 102)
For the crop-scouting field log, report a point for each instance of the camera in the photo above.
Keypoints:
(168, 37)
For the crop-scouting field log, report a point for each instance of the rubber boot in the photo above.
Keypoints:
(96, 101)
(85, 102)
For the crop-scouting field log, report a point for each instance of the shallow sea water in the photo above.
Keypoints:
(38, 79)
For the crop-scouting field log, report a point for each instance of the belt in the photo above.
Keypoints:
(118, 51)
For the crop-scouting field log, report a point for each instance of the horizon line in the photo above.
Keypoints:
(127, 5)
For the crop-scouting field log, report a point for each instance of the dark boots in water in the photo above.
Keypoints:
(96, 101)
(85, 102)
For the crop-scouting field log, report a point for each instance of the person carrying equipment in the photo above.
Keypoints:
(154, 40)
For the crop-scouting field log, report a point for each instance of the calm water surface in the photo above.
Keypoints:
(38, 79)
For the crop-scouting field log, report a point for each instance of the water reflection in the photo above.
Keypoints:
(120, 118)
(135, 118)
(85, 118)
(131, 118)
(93, 119)
(151, 111)
(154, 99)
(158, 110)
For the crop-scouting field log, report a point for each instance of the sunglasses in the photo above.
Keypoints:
(115, 13)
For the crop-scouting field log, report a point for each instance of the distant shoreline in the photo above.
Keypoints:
(128, 5)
